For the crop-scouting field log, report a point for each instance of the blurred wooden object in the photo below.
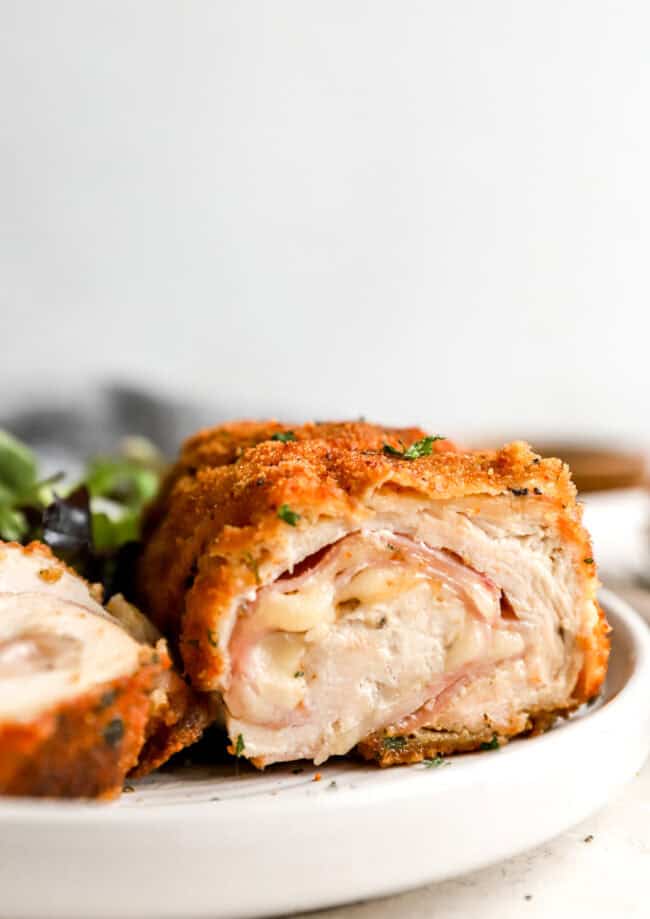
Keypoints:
(600, 469)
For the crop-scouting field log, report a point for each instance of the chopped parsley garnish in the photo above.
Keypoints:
(283, 436)
(394, 742)
(239, 745)
(114, 732)
(107, 698)
(253, 565)
(435, 762)
(491, 744)
(285, 513)
(212, 638)
(392, 451)
(588, 561)
(299, 673)
(416, 450)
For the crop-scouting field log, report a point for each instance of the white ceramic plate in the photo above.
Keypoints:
(227, 843)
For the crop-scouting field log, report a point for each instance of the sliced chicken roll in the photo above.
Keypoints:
(376, 590)
(83, 700)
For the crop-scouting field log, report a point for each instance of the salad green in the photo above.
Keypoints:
(93, 524)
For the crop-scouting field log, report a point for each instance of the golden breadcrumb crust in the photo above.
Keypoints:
(388, 748)
(175, 724)
(177, 715)
(83, 747)
(211, 535)
(225, 444)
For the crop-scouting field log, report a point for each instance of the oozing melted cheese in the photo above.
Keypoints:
(297, 610)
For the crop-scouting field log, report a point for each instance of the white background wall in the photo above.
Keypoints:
(420, 210)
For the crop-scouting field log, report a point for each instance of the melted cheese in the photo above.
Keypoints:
(478, 641)
(364, 637)
(299, 610)
(469, 645)
(280, 660)
(375, 585)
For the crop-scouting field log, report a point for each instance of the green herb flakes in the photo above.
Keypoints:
(435, 762)
(239, 745)
(212, 638)
(283, 436)
(107, 698)
(491, 744)
(113, 732)
(393, 451)
(253, 566)
(416, 450)
(285, 513)
(394, 742)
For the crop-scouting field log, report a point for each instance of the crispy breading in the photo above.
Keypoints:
(174, 724)
(83, 747)
(225, 444)
(179, 714)
(393, 749)
(218, 530)
(38, 756)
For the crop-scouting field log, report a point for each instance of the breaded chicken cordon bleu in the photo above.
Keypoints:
(343, 586)
(88, 693)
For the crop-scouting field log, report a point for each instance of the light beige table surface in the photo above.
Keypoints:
(600, 868)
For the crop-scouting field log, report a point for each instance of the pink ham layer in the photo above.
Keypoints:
(479, 593)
